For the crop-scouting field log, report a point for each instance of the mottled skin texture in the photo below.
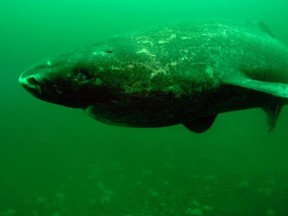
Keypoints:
(164, 75)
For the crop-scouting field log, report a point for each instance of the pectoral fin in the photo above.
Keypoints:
(279, 90)
(200, 125)
(271, 88)
(272, 112)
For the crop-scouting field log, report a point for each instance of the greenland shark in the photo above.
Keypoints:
(159, 76)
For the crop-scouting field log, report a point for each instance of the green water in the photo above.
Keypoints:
(56, 161)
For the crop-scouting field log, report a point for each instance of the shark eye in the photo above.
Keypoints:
(82, 75)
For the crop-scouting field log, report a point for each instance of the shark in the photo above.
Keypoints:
(180, 73)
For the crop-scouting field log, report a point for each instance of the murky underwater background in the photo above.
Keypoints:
(56, 161)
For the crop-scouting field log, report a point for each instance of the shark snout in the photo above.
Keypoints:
(31, 83)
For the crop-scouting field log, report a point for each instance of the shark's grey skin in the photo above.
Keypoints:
(167, 75)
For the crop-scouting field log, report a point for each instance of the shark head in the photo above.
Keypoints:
(73, 79)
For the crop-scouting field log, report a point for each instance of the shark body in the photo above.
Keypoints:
(165, 75)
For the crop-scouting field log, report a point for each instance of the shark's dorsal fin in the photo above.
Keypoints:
(272, 113)
(276, 89)
(261, 27)
(265, 28)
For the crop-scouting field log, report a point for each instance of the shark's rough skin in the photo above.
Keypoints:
(178, 74)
